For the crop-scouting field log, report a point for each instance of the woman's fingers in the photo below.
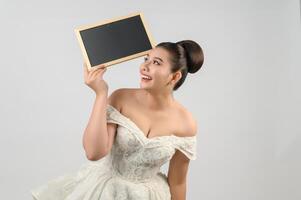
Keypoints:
(98, 72)
(95, 71)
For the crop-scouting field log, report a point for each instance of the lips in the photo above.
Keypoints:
(146, 76)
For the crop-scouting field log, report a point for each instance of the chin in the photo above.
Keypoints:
(145, 86)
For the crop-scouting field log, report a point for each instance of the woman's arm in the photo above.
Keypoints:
(95, 138)
(178, 166)
(177, 173)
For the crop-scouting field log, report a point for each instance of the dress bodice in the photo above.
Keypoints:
(130, 171)
(138, 158)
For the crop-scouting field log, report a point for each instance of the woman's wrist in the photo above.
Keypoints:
(101, 95)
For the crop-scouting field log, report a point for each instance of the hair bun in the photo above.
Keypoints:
(194, 55)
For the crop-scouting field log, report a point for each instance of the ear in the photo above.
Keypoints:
(176, 77)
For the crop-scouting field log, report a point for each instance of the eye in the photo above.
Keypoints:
(157, 62)
(145, 58)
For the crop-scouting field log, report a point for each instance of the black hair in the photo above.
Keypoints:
(185, 55)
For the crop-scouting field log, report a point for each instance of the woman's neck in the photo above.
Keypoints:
(157, 100)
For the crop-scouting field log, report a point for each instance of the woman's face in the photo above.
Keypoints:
(156, 65)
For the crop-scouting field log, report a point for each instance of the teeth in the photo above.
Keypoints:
(147, 77)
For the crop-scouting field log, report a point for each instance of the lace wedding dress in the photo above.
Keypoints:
(130, 171)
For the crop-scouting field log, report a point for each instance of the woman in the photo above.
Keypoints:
(131, 134)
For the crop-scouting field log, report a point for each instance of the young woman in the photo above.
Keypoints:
(134, 131)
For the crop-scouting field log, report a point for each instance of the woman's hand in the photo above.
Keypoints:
(94, 79)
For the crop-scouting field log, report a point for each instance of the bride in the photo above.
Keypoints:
(134, 131)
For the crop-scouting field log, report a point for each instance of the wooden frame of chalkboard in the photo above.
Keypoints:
(93, 40)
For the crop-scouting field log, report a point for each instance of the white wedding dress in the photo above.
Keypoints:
(130, 171)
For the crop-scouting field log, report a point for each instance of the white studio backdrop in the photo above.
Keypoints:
(246, 97)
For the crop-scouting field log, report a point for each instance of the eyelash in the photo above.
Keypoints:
(154, 61)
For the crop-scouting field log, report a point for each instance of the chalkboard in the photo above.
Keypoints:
(114, 41)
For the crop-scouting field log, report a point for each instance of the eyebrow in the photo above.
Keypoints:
(157, 58)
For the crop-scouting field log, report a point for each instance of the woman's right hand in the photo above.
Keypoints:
(94, 79)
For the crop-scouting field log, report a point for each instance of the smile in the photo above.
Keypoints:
(145, 77)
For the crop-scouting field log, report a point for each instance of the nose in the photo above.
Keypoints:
(145, 66)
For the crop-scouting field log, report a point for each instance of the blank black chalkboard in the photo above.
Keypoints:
(114, 41)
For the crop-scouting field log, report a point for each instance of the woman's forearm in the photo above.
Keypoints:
(95, 138)
(178, 192)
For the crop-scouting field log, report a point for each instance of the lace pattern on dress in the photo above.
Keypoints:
(187, 145)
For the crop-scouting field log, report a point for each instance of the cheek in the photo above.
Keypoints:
(161, 76)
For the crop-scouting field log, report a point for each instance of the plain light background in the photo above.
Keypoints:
(246, 97)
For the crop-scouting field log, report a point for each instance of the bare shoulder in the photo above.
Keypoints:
(189, 125)
(119, 96)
